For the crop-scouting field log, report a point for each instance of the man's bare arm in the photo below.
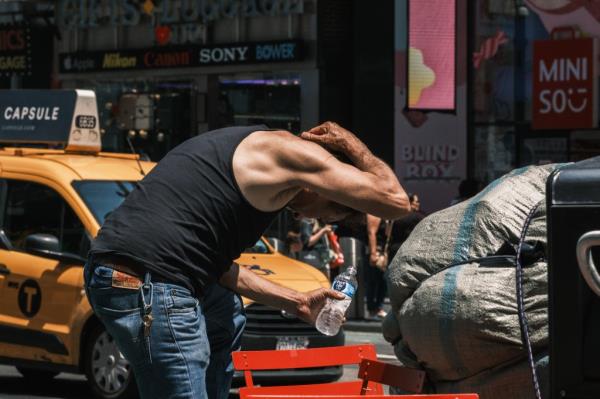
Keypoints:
(334, 137)
(370, 186)
(304, 305)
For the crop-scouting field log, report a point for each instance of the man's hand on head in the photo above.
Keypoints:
(313, 301)
(331, 136)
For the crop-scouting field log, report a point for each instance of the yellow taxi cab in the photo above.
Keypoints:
(52, 203)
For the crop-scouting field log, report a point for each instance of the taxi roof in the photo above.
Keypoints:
(85, 166)
(59, 118)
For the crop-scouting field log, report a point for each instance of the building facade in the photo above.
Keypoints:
(531, 102)
(526, 82)
(166, 71)
(27, 36)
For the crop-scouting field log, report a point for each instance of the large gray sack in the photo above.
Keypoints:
(457, 321)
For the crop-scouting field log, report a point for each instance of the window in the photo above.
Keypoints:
(273, 100)
(258, 248)
(32, 208)
(495, 151)
(494, 62)
(102, 197)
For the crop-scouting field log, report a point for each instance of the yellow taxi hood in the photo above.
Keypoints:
(104, 166)
(283, 270)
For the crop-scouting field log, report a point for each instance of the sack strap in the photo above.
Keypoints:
(530, 254)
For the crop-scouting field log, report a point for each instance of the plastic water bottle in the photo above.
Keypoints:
(331, 317)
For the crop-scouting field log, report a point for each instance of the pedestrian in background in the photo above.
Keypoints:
(385, 238)
(293, 240)
(415, 202)
(379, 235)
(293, 244)
(315, 247)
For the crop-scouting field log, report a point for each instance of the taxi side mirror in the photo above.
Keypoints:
(41, 243)
(48, 246)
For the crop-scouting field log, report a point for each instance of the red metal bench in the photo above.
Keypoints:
(372, 374)
(344, 396)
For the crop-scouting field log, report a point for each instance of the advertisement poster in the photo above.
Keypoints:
(431, 146)
(431, 54)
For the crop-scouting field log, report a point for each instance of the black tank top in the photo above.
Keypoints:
(187, 220)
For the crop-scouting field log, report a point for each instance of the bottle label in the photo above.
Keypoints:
(344, 288)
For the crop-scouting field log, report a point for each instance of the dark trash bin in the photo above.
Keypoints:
(573, 203)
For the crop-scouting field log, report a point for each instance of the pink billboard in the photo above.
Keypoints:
(431, 54)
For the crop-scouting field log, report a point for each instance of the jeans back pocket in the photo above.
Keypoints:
(110, 300)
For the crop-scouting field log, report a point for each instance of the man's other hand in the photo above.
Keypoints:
(331, 136)
(313, 301)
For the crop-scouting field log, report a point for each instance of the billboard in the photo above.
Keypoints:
(181, 56)
(430, 153)
(431, 54)
(565, 84)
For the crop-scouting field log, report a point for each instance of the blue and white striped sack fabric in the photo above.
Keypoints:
(456, 322)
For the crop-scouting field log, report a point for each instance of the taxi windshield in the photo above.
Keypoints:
(102, 197)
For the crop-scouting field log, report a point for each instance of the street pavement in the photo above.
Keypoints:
(73, 386)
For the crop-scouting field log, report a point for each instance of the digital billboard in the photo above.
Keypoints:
(432, 54)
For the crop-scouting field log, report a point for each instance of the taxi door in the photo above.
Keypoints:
(40, 293)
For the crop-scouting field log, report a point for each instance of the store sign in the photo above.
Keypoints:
(565, 84)
(68, 117)
(181, 57)
(430, 161)
(15, 50)
(82, 14)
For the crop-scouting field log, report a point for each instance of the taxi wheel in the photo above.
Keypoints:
(36, 374)
(108, 372)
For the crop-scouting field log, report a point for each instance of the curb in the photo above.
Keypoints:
(363, 325)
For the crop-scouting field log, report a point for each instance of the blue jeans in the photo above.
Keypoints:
(186, 353)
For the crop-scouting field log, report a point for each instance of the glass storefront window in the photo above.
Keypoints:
(543, 150)
(500, 85)
(584, 144)
(493, 58)
(144, 112)
(273, 100)
(494, 152)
